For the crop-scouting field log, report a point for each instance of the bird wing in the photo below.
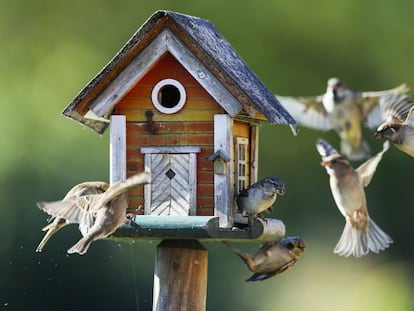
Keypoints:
(410, 117)
(395, 107)
(73, 210)
(325, 149)
(307, 111)
(85, 188)
(367, 169)
(120, 187)
(264, 276)
(369, 104)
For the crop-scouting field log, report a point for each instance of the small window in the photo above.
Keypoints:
(168, 96)
(242, 159)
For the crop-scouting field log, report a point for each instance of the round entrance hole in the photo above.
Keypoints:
(168, 96)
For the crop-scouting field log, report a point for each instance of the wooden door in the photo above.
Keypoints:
(173, 183)
(171, 190)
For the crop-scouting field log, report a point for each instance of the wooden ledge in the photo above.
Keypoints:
(199, 228)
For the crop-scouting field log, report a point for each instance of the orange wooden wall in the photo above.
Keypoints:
(192, 125)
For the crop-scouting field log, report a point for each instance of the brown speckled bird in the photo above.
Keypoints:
(342, 110)
(272, 258)
(73, 196)
(98, 215)
(398, 128)
(361, 234)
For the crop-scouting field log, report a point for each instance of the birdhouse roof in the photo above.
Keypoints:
(204, 46)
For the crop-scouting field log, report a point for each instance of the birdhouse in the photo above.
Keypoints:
(181, 104)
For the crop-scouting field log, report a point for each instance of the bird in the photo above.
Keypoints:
(75, 194)
(98, 215)
(260, 196)
(342, 110)
(398, 128)
(361, 234)
(272, 258)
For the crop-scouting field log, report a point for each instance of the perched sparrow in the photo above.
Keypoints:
(272, 257)
(98, 215)
(342, 110)
(360, 234)
(260, 196)
(74, 195)
(398, 113)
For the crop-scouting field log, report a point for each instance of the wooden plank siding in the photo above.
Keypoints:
(193, 125)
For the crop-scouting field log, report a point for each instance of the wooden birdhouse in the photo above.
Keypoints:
(180, 103)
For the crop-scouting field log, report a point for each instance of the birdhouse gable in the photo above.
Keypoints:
(200, 49)
(165, 42)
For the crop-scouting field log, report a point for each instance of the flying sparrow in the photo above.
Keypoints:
(272, 258)
(360, 234)
(260, 196)
(75, 194)
(342, 110)
(98, 215)
(398, 128)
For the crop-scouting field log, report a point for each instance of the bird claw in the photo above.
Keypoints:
(262, 218)
(131, 216)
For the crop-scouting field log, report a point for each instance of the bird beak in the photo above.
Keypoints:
(281, 190)
(326, 163)
(378, 135)
(301, 245)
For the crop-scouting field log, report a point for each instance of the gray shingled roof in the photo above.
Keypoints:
(203, 39)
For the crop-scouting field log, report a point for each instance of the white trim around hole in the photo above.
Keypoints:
(155, 96)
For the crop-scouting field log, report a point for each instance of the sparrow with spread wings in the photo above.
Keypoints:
(342, 110)
(99, 212)
(398, 128)
(361, 234)
(79, 193)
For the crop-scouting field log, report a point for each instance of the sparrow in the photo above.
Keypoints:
(398, 128)
(260, 196)
(272, 258)
(74, 194)
(98, 215)
(342, 110)
(361, 234)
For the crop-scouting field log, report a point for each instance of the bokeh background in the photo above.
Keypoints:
(50, 50)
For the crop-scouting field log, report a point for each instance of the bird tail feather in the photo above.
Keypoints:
(248, 260)
(355, 153)
(378, 240)
(352, 242)
(358, 242)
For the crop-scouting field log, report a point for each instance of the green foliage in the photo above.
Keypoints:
(51, 49)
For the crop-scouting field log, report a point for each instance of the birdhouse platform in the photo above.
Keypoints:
(205, 228)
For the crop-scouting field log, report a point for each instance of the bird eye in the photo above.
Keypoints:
(290, 245)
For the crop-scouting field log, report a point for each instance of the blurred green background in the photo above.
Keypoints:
(50, 50)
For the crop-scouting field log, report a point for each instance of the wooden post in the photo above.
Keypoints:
(180, 276)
